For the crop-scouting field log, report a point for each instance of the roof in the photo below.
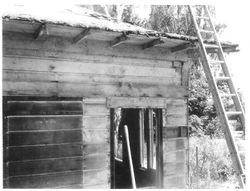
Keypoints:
(78, 17)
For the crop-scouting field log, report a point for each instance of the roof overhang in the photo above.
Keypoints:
(93, 26)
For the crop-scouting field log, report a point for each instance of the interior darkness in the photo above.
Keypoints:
(144, 176)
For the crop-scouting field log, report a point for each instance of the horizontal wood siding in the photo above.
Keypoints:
(96, 130)
(175, 113)
(175, 145)
(56, 67)
(51, 144)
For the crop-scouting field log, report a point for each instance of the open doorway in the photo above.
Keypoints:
(145, 139)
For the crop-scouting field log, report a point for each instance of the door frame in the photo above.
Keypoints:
(138, 103)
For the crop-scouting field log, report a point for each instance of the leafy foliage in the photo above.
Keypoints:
(203, 118)
(171, 19)
(214, 163)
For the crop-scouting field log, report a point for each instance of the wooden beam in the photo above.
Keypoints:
(41, 31)
(81, 36)
(118, 40)
(137, 102)
(152, 43)
(181, 47)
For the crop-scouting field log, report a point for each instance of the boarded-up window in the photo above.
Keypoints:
(56, 143)
(43, 143)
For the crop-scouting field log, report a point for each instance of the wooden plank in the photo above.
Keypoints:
(44, 123)
(96, 161)
(175, 120)
(177, 156)
(45, 166)
(185, 74)
(88, 102)
(118, 40)
(44, 108)
(174, 131)
(175, 182)
(177, 107)
(86, 162)
(150, 141)
(175, 144)
(141, 135)
(136, 102)
(182, 47)
(20, 26)
(55, 151)
(98, 186)
(173, 168)
(84, 34)
(95, 110)
(26, 76)
(68, 66)
(41, 31)
(24, 41)
(96, 122)
(152, 43)
(96, 136)
(73, 186)
(118, 60)
(47, 137)
(47, 180)
(96, 177)
(29, 88)
(91, 90)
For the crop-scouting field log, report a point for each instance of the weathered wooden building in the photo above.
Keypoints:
(66, 76)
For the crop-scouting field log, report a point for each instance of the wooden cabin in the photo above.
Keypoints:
(72, 79)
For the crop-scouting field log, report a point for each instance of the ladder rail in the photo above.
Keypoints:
(217, 98)
(226, 71)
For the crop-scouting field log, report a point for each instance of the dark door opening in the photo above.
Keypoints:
(144, 127)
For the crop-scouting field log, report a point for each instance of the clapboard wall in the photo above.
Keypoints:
(56, 143)
(54, 67)
(175, 145)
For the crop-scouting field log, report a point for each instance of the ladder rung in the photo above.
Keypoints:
(242, 152)
(216, 61)
(206, 31)
(211, 46)
(205, 18)
(234, 113)
(227, 95)
(222, 78)
(238, 135)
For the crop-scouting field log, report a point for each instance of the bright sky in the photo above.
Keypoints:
(235, 17)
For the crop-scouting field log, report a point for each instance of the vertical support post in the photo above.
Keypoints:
(130, 157)
(159, 151)
(197, 167)
(150, 139)
(112, 148)
(141, 137)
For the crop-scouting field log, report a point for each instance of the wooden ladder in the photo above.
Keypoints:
(212, 56)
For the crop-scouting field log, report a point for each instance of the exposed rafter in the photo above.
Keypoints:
(152, 43)
(118, 40)
(81, 36)
(41, 31)
(182, 47)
